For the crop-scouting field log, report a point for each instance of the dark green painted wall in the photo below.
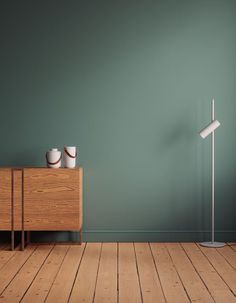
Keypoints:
(130, 84)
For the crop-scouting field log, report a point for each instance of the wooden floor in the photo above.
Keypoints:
(118, 272)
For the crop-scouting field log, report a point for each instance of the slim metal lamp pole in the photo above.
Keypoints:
(213, 175)
(212, 243)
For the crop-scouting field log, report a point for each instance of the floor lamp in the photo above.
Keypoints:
(205, 132)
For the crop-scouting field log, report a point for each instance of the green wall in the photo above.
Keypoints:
(130, 83)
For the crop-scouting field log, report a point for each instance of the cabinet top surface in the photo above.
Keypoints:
(38, 167)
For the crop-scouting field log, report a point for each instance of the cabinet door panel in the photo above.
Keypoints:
(17, 198)
(51, 199)
(5, 199)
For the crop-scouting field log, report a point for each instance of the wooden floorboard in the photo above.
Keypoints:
(85, 282)
(229, 254)
(62, 285)
(11, 268)
(106, 288)
(224, 269)
(25, 276)
(40, 287)
(171, 283)
(149, 281)
(128, 284)
(118, 273)
(232, 245)
(5, 256)
(215, 284)
(196, 289)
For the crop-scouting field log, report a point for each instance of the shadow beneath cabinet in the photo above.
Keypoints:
(54, 236)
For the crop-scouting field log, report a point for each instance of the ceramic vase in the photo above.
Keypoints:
(53, 157)
(70, 155)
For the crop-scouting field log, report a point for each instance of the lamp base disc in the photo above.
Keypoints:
(213, 244)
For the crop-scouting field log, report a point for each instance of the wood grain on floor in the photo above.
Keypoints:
(118, 273)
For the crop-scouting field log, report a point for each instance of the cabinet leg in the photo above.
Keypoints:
(80, 237)
(12, 240)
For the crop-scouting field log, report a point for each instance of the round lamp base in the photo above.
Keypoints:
(213, 244)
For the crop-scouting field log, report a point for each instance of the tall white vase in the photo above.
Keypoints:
(53, 157)
(70, 155)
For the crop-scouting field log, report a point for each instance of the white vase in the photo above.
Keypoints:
(70, 155)
(53, 157)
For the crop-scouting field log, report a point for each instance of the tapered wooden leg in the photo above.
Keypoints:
(12, 240)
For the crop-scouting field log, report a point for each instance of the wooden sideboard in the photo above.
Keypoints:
(42, 199)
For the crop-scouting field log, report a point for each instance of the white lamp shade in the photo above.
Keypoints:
(209, 129)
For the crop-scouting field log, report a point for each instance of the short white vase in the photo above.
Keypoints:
(70, 155)
(53, 157)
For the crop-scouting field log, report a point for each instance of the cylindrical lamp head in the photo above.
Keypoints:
(209, 129)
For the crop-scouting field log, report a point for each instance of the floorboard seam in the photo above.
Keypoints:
(56, 274)
(37, 273)
(18, 271)
(178, 273)
(217, 271)
(136, 262)
(197, 272)
(94, 294)
(76, 274)
(218, 250)
(155, 266)
(117, 270)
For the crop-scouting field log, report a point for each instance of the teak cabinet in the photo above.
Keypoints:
(5, 199)
(42, 199)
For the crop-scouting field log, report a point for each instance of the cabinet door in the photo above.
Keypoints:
(52, 199)
(17, 198)
(5, 199)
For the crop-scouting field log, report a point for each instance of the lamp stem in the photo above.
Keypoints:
(212, 243)
(213, 176)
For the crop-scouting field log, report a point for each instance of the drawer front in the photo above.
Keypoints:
(5, 199)
(52, 199)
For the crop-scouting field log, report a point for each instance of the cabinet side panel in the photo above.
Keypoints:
(5, 199)
(17, 194)
(80, 198)
(51, 199)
